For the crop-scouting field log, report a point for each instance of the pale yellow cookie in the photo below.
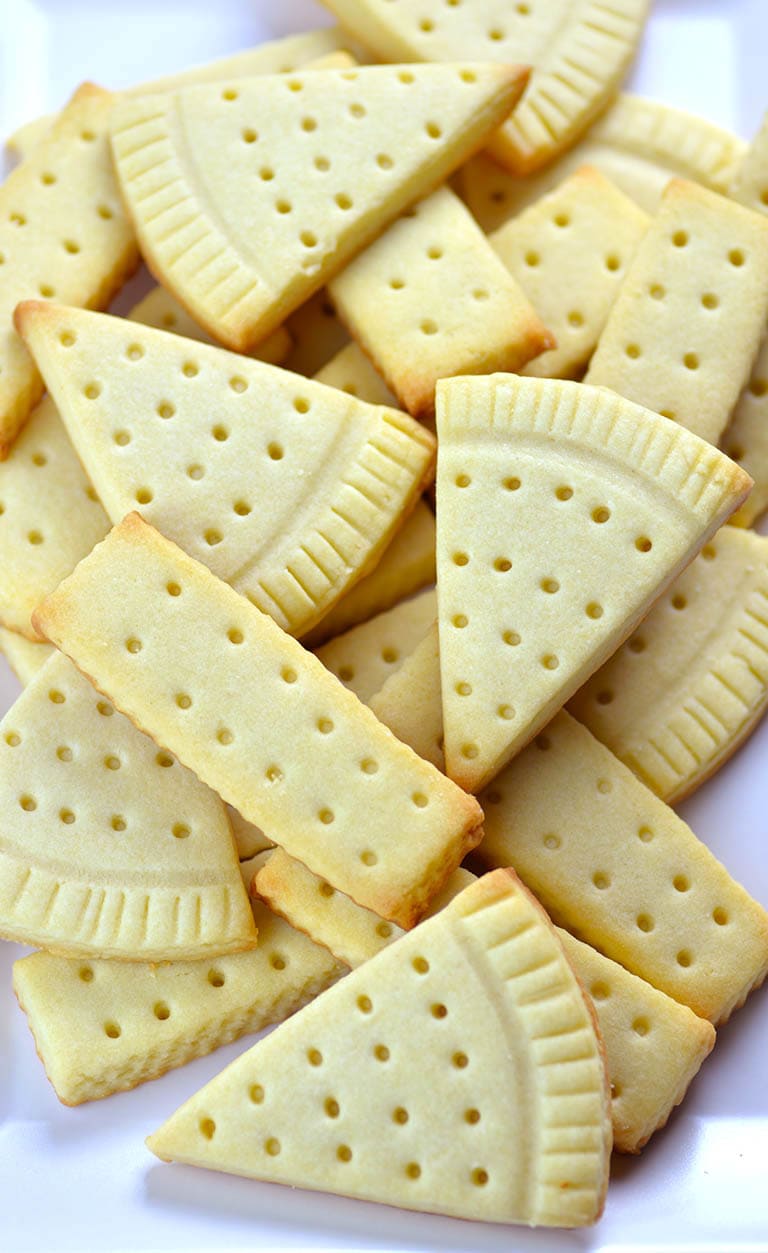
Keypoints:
(352, 372)
(410, 702)
(364, 657)
(286, 488)
(568, 252)
(159, 308)
(250, 840)
(367, 142)
(63, 234)
(24, 656)
(638, 144)
(102, 1027)
(681, 695)
(750, 182)
(563, 513)
(579, 50)
(615, 865)
(430, 299)
(406, 566)
(746, 438)
(110, 847)
(317, 335)
(261, 721)
(654, 1046)
(688, 320)
(458, 1072)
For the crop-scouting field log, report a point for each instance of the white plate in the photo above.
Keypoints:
(81, 1179)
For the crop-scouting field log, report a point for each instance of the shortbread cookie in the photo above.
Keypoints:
(410, 702)
(615, 865)
(458, 1072)
(638, 144)
(261, 721)
(681, 695)
(353, 934)
(750, 183)
(352, 372)
(367, 142)
(64, 234)
(51, 516)
(25, 657)
(688, 320)
(430, 299)
(746, 438)
(531, 472)
(569, 252)
(200, 439)
(110, 847)
(579, 50)
(159, 308)
(408, 565)
(102, 1027)
(317, 335)
(364, 657)
(654, 1046)
(278, 56)
(250, 840)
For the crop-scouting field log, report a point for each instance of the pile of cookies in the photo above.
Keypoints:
(262, 768)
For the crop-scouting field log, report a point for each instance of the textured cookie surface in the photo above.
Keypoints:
(750, 182)
(366, 143)
(24, 656)
(344, 1097)
(569, 252)
(615, 865)
(352, 372)
(746, 437)
(365, 657)
(531, 472)
(410, 702)
(688, 320)
(261, 721)
(200, 439)
(580, 50)
(159, 308)
(685, 690)
(430, 299)
(108, 846)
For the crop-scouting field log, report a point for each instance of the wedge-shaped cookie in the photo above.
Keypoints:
(430, 299)
(25, 657)
(746, 438)
(654, 1046)
(688, 320)
(615, 865)
(352, 372)
(159, 308)
(201, 439)
(317, 335)
(569, 252)
(63, 234)
(638, 144)
(353, 934)
(51, 516)
(580, 51)
(278, 56)
(102, 1027)
(261, 721)
(681, 695)
(365, 657)
(109, 847)
(410, 702)
(406, 566)
(564, 511)
(364, 144)
(457, 1072)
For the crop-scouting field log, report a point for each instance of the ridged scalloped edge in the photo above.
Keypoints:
(692, 474)
(54, 909)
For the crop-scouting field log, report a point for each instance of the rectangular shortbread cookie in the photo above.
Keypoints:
(352, 372)
(261, 721)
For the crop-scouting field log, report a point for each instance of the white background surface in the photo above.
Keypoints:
(81, 1179)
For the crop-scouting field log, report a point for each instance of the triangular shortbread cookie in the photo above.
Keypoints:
(580, 51)
(287, 489)
(109, 846)
(563, 512)
(681, 695)
(457, 1072)
(242, 228)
